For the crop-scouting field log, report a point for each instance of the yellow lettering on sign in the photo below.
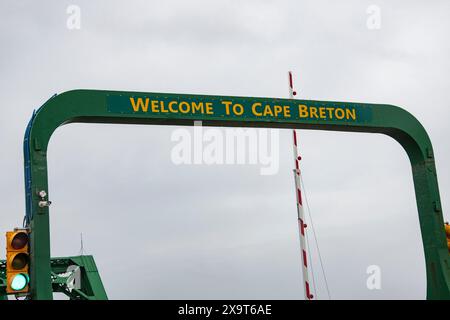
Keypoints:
(163, 109)
(330, 112)
(154, 106)
(227, 107)
(255, 111)
(184, 107)
(238, 109)
(267, 111)
(287, 111)
(209, 108)
(350, 114)
(197, 107)
(258, 109)
(313, 112)
(277, 110)
(171, 103)
(303, 111)
(322, 113)
(139, 104)
(339, 113)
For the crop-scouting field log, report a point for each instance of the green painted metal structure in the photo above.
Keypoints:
(89, 288)
(93, 106)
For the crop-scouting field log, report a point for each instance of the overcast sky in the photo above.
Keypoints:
(162, 231)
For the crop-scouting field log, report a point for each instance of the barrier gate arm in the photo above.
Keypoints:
(97, 106)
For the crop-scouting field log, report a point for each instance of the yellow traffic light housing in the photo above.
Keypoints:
(447, 232)
(17, 261)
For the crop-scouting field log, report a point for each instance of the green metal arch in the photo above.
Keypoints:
(95, 106)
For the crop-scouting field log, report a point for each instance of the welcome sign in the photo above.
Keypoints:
(235, 108)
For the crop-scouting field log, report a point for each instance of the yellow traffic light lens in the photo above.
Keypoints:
(19, 241)
(20, 261)
(19, 282)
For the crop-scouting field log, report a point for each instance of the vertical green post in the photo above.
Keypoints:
(40, 269)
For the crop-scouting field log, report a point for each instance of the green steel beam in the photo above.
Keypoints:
(93, 106)
(91, 284)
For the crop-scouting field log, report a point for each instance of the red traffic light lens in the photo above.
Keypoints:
(19, 240)
(20, 261)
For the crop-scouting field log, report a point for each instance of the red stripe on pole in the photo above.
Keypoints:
(302, 227)
(290, 80)
(308, 293)
(299, 196)
(304, 259)
(295, 138)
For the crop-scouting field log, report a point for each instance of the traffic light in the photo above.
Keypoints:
(447, 232)
(17, 261)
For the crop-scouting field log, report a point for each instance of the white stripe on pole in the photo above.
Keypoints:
(300, 213)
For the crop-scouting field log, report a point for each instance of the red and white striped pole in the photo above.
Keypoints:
(300, 212)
